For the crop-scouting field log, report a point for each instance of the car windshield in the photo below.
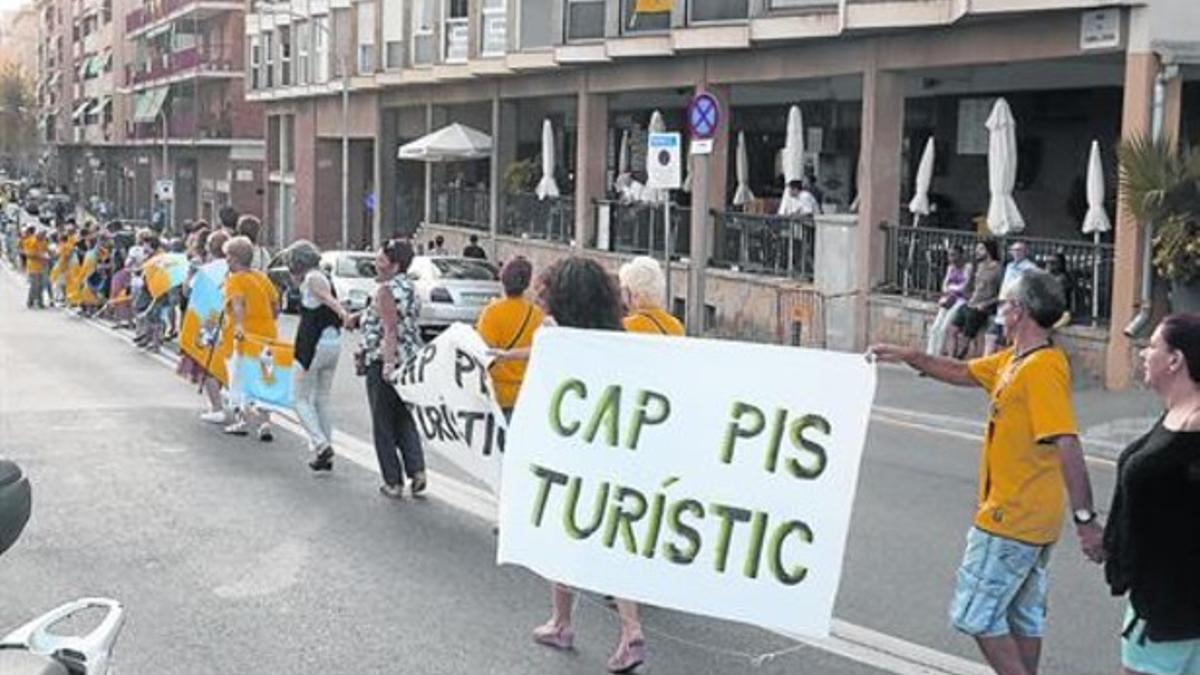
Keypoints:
(356, 267)
(465, 268)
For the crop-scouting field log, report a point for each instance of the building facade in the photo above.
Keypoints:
(135, 93)
(875, 81)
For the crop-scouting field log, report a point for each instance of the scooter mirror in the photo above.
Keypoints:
(16, 501)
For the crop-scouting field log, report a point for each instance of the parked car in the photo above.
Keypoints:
(353, 276)
(289, 292)
(452, 289)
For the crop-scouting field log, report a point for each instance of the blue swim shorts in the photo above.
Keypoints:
(1000, 588)
(1156, 658)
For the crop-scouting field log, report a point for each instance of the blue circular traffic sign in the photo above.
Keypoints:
(703, 116)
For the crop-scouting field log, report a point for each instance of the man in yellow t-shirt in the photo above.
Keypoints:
(1032, 463)
(36, 250)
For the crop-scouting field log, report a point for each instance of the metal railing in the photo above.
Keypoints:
(461, 206)
(217, 58)
(758, 244)
(638, 228)
(918, 257)
(551, 219)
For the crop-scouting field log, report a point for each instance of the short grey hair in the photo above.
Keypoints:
(1041, 294)
(241, 250)
(302, 256)
(644, 279)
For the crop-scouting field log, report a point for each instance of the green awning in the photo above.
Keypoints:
(148, 103)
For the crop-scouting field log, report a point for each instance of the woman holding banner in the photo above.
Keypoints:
(578, 293)
(390, 336)
(252, 303)
(508, 324)
(318, 345)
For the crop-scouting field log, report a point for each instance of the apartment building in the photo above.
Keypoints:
(874, 80)
(137, 93)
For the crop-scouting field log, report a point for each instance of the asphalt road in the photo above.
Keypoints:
(233, 559)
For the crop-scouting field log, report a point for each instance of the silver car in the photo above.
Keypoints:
(452, 289)
(353, 276)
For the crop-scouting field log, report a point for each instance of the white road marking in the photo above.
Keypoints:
(850, 641)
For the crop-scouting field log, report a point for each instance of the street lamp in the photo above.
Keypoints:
(341, 60)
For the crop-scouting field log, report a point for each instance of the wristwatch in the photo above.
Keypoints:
(1083, 516)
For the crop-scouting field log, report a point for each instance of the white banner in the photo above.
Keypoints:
(706, 476)
(449, 393)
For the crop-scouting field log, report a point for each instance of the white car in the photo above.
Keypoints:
(353, 275)
(452, 289)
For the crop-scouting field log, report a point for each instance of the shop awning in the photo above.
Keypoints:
(148, 103)
(105, 104)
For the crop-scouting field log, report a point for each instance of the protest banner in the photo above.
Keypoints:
(264, 370)
(707, 476)
(165, 272)
(199, 334)
(449, 393)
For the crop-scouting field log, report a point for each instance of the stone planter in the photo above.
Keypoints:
(1185, 296)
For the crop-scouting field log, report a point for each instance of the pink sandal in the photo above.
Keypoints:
(629, 655)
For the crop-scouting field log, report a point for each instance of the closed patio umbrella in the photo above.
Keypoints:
(793, 160)
(743, 195)
(1003, 215)
(547, 187)
(919, 206)
(1096, 221)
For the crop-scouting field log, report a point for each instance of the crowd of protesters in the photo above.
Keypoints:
(1032, 469)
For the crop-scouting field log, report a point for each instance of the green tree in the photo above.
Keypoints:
(18, 123)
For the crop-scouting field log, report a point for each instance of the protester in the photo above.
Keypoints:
(35, 249)
(473, 249)
(954, 298)
(509, 323)
(1153, 537)
(251, 228)
(251, 307)
(985, 297)
(1056, 265)
(229, 220)
(643, 287)
(317, 344)
(1031, 449)
(390, 336)
(1020, 263)
(578, 293)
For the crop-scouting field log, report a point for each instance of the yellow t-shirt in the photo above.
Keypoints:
(35, 252)
(261, 298)
(1021, 491)
(509, 323)
(653, 321)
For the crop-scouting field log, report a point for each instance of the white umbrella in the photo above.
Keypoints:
(547, 187)
(1096, 221)
(1003, 215)
(919, 206)
(793, 160)
(743, 195)
(624, 179)
(656, 126)
(453, 143)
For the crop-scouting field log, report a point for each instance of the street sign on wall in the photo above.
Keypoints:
(164, 189)
(703, 116)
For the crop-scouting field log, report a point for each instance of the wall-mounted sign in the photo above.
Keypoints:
(1100, 29)
(664, 165)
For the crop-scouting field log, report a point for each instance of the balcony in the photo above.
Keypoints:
(186, 126)
(143, 18)
(217, 59)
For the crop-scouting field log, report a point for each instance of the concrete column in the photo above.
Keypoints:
(385, 179)
(878, 182)
(591, 141)
(1141, 69)
(494, 175)
(709, 174)
(428, 168)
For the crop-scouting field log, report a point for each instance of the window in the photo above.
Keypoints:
(793, 4)
(287, 143)
(633, 21)
(320, 37)
(494, 27)
(718, 10)
(585, 19)
(106, 9)
(422, 32)
(457, 27)
(268, 59)
(366, 37)
(303, 37)
(392, 22)
(255, 62)
(285, 56)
